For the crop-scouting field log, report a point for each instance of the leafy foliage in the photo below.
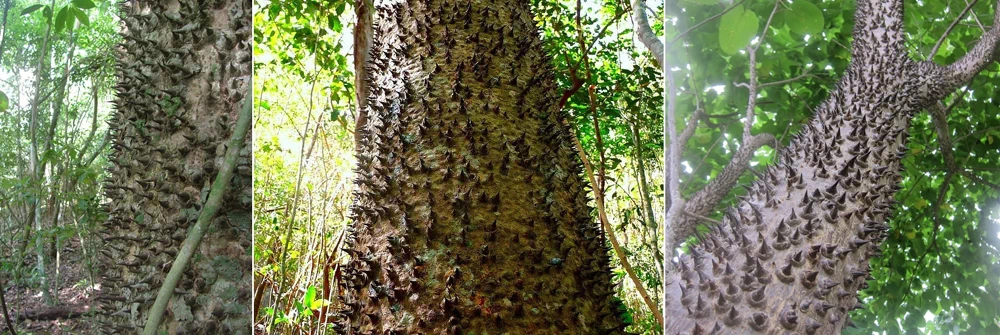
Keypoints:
(303, 140)
(736, 29)
(69, 89)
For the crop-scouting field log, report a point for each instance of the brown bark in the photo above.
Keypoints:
(470, 212)
(183, 70)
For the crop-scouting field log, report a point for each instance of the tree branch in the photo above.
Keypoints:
(966, 173)
(939, 116)
(705, 200)
(936, 217)
(602, 215)
(652, 42)
(645, 32)
(947, 32)
(950, 77)
(692, 124)
(752, 99)
(978, 132)
(786, 81)
(703, 218)
(976, 17)
(767, 25)
(672, 156)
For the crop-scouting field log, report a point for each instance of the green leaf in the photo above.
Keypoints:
(71, 19)
(310, 296)
(82, 16)
(736, 29)
(333, 22)
(804, 18)
(83, 4)
(4, 102)
(703, 2)
(31, 9)
(61, 19)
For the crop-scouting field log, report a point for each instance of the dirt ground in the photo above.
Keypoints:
(75, 300)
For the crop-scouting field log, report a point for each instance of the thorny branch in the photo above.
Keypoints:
(702, 202)
(958, 73)
(948, 78)
(692, 124)
(984, 53)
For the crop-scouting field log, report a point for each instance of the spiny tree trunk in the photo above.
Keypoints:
(183, 70)
(470, 214)
(792, 254)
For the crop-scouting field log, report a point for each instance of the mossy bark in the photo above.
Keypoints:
(471, 213)
(183, 69)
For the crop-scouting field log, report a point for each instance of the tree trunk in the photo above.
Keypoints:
(36, 167)
(3, 27)
(470, 212)
(793, 253)
(183, 70)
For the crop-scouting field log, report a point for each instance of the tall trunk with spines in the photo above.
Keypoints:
(183, 69)
(470, 214)
(791, 256)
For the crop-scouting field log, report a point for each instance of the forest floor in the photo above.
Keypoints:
(75, 299)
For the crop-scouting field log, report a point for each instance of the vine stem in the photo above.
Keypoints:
(197, 231)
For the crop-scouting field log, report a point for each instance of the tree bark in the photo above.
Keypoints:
(183, 70)
(470, 212)
(793, 253)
